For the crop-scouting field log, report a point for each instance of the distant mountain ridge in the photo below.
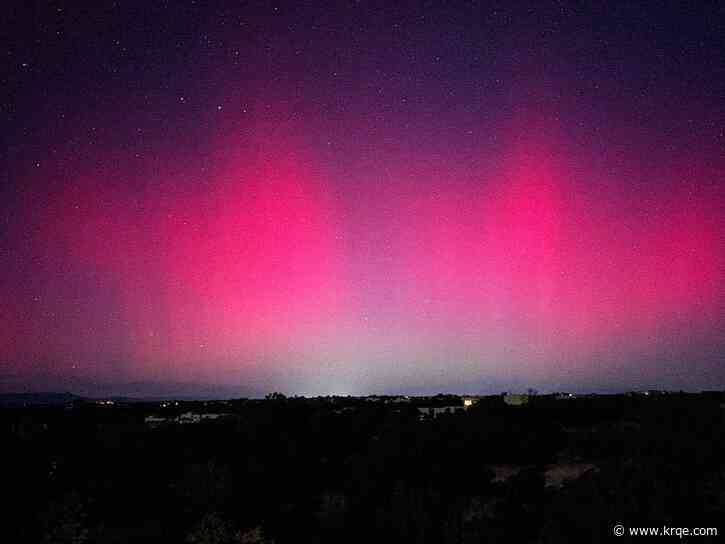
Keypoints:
(128, 392)
(37, 399)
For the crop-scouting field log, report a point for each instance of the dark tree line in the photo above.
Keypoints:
(330, 470)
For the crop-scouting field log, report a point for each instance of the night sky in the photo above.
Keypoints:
(358, 198)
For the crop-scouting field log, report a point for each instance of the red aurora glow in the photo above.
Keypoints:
(253, 272)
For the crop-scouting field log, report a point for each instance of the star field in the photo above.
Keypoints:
(362, 198)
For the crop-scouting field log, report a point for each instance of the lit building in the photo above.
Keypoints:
(469, 401)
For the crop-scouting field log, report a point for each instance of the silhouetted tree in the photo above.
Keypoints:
(211, 529)
(65, 521)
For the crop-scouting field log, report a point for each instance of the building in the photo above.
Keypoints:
(469, 401)
(435, 411)
(514, 399)
(156, 421)
(190, 417)
(185, 418)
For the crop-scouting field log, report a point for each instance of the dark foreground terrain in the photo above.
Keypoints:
(362, 469)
